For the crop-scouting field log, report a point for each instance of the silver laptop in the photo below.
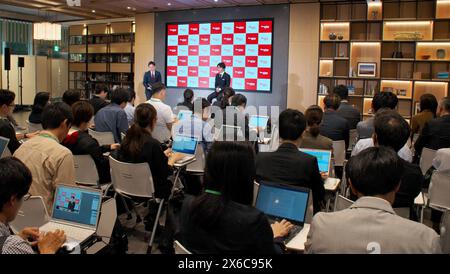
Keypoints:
(323, 158)
(229, 133)
(3, 147)
(187, 145)
(76, 211)
(258, 121)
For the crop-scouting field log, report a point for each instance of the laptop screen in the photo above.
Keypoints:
(323, 158)
(184, 114)
(3, 143)
(77, 205)
(258, 121)
(184, 144)
(283, 202)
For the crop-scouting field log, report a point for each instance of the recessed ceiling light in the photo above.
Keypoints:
(93, 11)
(128, 8)
(169, 4)
(216, 0)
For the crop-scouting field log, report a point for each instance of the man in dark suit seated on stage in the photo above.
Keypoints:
(223, 80)
(288, 165)
(151, 77)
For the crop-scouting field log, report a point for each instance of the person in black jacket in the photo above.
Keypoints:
(221, 220)
(81, 143)
(222, 81)
(288, 165)
(333, 125)
(40, 101)
(188, 96)
(152, 76)
(98, 101)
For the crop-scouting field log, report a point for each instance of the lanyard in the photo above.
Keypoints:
(46, 135)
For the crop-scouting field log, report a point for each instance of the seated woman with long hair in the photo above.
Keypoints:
(222, 220)
(40, 101)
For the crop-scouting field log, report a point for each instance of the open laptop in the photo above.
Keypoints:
(258, 121)
(280, 202)
(323, 158)
(186, 145)
(184, 114)
(3, 145)
(76, 211)
(229, 133)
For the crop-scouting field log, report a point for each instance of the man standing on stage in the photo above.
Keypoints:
(151, 77)
(222, 81)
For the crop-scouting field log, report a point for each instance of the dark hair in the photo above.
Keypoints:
(6, 97)
(222, 65)
(40, 101)
(314, 115)
(201, 101)
(375, 171)
(332, 101)
(54, 114)
(157, 87)
(292, 124)
(341, 91)
(16, 180)
(239, 100)
(101, 87)
(188, 94)
(138, 135)
(385, 99)
(132, 94)
(71, 96)
(82, 112)
(151, 63)
(227, 93)
(445, 103)
(119, 96)
(428, 102)
(391, 128)
(230, 170)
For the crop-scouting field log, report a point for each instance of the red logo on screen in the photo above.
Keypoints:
(264, 50)
(182, 60)
(251, 61)
(182, 81)
(227, 39)
(213, 71)
(204, 61)
(193, 28)
(264, 73)
(172, 50)
(265, 26)
(193, 50)
(203, 82)
(250, 84)
(252, 38)
(216, 28)
(239, 27)
(193, 71)
(183, 40)
(172, 29)
(204, 39)
(238, 72)
(239, 50)
(216, 50)
(228, 60)
(171, 71)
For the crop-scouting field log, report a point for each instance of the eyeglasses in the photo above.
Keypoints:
(26, 197)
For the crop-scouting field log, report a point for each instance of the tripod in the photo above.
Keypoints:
(20, 107)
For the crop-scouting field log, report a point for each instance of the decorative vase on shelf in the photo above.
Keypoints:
(340, 36)
(332, 36)
(440, 53)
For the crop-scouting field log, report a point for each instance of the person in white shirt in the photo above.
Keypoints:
(165, 116)
(405, 152)
(129, 109)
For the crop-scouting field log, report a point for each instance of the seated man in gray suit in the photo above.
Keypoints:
(380, 100)
(370, 225)
(346, 110)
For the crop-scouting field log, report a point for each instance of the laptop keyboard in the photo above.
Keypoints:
(292, 233)
(77, 233)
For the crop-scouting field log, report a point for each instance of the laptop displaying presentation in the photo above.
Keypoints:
(184, 114)
(258, 121)
(280, 202)
(186, 145)
(76, 211)
(3, 145)
(323, 158)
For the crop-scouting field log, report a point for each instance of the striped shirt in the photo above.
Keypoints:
(13, 243)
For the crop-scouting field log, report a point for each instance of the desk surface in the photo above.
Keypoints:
(298, 242)
(331, 184)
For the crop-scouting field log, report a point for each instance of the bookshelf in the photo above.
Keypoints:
(101, 53)
(398, 46)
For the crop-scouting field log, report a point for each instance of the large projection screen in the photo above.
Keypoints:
(193, 51)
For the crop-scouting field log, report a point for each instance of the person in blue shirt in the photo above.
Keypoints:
(113, 118)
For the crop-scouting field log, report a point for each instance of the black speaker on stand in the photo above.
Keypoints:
(21, 65)
(7, 64)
